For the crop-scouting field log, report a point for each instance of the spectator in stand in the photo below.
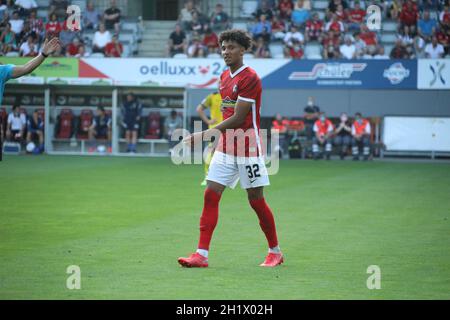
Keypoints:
(260, 49)
(3, 10)
(300, 14)
(196, 49)
(360, 45)
(335, 25)
(381, 55)
(369, 38)
(262, 29)
(348, 49)
(91, 17)
(114, 49)
(177, 42)
(101, 126)
(278, 28)
(73, 49)
(361, 137)
(35, 130)
(196, 24)
(426, 27)
(101, 38)
(434, 50)
(443, 39)
(430, 5)
(331, 43)
(66, 37)
(292, 36)
(16, 125)
(186, 15)
(285, 7)
(407, 40)
(112, 16)
(8, 39)
(59, 7)
(28, 48)
(210, 40)
(295, 51)
(419, 47)
(333, 4)
(36, 25)
(264, 10)
(399, 51)
(356, 16)
(323, 131)
(25, 33)
(343, 135)
(444, 16)
(219, 19)
(314, 28)
(53, 27)
(25, 7)
(408, 16)
(394, 9)
(341, 15)
(16, 23)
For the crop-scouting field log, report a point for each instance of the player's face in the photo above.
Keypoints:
(232, 52)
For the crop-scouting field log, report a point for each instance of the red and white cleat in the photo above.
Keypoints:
(195, 260)
(273, 260)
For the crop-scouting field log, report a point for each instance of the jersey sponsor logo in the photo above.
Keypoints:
(396, 73)
(329, 71)
(228, 103)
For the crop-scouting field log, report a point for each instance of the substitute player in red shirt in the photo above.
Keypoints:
(236, 158)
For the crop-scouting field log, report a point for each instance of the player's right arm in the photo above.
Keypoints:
(48, 48)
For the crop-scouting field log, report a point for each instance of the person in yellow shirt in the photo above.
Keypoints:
(213, 102)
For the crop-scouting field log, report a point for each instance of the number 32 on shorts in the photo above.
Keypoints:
(253, 171)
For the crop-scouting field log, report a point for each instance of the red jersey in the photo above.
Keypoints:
(244, 84)
(357, 15)
(370, 38)
(114, 50)
(53, 27)
(322, 128)
(314, 25)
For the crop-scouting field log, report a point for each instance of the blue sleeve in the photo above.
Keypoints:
(6, 72)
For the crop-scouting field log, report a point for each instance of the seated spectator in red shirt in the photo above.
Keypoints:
(261, 50)
(285, 7)
(73, 48)
(278, 28)
(409, 16)
(444, 39)
(314, 28)
(331, 43)
(369, 38)
(295, 51)
(399, 51)
(341, 14)
(210, 40)
(53, 27)
(356, 17)
(335, 25)
(114, 49)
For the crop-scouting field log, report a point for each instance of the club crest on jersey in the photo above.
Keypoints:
(235, 88)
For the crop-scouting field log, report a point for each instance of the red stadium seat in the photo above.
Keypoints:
(153, 126)
(65, 124)
(86, 118)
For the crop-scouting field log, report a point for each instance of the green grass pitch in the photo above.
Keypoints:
(125, 221)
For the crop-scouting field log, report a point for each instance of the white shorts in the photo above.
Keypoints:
(226, 170)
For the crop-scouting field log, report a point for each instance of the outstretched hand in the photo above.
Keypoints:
(50, 46)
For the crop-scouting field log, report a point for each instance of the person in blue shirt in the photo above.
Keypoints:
(426, 26)
(262, 29)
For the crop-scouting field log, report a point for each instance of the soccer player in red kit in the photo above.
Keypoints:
(233, 160)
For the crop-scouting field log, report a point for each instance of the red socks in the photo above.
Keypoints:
(266, 221)
(208, 220)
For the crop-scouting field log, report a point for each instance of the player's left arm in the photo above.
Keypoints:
(48, 48)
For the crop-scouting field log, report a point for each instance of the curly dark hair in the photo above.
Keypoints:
(242, 37)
